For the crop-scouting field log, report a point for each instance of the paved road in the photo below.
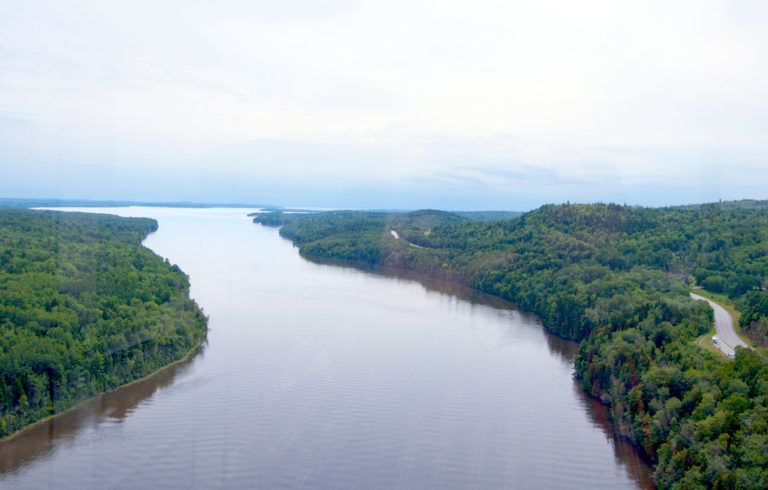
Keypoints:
(397, 237)
(726, 335)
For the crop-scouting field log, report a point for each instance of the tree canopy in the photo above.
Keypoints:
(84, 308)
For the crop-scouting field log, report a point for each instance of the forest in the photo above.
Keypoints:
(84, 308)
(617, 280)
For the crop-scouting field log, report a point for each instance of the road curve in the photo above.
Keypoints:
(397, 237)
(728, 340)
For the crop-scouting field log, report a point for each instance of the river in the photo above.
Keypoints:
(320, 376)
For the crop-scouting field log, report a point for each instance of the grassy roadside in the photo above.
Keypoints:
(705, 341)
(726, 303)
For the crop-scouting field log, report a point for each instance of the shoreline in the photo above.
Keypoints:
(425, 279)
(24, 430)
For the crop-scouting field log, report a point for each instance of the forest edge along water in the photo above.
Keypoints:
(617, 279)
(376, 379)
(85, 308)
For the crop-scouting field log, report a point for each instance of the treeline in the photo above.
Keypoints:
(83, 308)
(423, 219)
(615, 278)
(754, 318)
(274, 218)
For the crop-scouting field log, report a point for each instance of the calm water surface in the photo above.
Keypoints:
(318, 376)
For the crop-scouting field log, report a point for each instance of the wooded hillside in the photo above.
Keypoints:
(615, 278)
(83, 308)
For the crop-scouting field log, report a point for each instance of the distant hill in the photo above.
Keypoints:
(423, 219)
(489, 215)
(741, 204)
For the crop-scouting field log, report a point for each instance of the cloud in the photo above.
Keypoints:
(495, 96)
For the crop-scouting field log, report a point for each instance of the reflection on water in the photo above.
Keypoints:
(491, 338)
(625, 454)
(40, 440)
(319, 376)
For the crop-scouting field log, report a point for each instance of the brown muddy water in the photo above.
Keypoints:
(320, 376)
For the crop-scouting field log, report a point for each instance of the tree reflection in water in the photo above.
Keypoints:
(40, 440)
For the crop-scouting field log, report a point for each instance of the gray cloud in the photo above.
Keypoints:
(513, 103)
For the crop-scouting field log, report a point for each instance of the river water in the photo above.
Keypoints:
(320, 376)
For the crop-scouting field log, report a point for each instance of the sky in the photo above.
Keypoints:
(399, 104)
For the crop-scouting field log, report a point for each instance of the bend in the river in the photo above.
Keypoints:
(323, 376)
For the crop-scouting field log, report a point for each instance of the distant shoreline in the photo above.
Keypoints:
(88, 203)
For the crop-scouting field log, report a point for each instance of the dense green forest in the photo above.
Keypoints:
(84, 308)
(616, 278)
(430, 218)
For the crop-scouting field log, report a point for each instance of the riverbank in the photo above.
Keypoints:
(84, 306)
(35, 425)
(308, 365)
(599, 275)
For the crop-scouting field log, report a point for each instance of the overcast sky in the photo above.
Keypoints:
(398, 104)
